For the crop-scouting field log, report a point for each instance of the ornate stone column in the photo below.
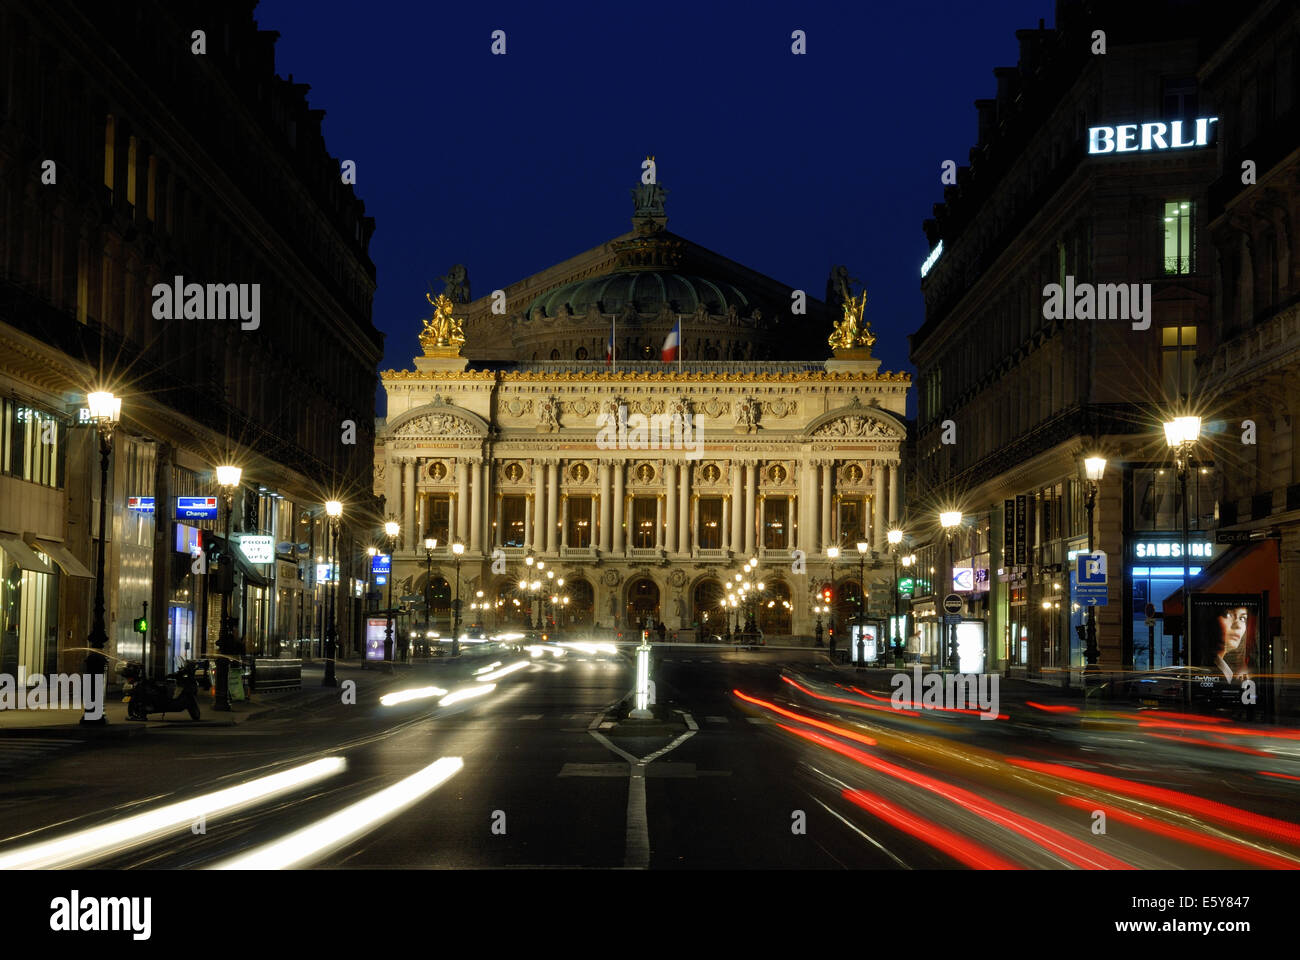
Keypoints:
(725, 533)
(539, 506)
(827, 468)
(789, 521)
(684, 511)
(750, 521)
(878, 507)
(659, 521)
(606, 508)
(564, 521)
(529, 523)
(893, 493)
(552, 503)
(736, 541)
(695, 522)
(392, 483)
(670, 483)
(462, 502)
(408, 512)
(476, 508)
(620, 507)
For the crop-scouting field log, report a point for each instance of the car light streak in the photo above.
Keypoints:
(1210, 809)
(1229, 848)
(119, 835)
(848, 700)
(1212, 743)
(456, 696)
(405, 696)
(1270, 773)
(1240, 731)
(922, 706)
(838, 731)
(339, 829)
(954, 845)
(490, 667)
(504, 671)
(1052, 707)
(1048, 838)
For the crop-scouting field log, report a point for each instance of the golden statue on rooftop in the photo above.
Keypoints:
(442, 334)
(852, 332)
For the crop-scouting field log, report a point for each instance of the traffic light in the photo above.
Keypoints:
(141, 625)
(826, 594)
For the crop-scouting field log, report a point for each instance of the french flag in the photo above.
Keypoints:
(669, 353)
(609, 347)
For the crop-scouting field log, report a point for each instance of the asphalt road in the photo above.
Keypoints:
(765, 759)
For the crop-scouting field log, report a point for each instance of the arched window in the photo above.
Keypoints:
(581, 354)
(555, 354)
(775, 608)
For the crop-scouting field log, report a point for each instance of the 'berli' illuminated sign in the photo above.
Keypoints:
(1139, 137)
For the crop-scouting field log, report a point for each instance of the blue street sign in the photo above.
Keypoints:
(196, 508)
(140, 504)
(381, 563)
(1090, 579)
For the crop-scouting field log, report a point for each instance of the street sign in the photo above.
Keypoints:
(1090, 579)
(196, 508)
(381, 563)
(952, 603)
(140, 504)
(257, 549)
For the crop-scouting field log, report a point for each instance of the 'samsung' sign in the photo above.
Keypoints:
(1138, 137)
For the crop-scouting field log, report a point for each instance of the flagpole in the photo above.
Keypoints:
(681, 343)
(613, 341)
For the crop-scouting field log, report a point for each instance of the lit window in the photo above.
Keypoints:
(1178, 237)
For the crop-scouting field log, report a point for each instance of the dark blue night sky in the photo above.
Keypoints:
(785, 163)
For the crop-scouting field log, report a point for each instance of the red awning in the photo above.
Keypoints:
(1249, 568)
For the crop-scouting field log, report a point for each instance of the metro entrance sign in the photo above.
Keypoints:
(952, 603)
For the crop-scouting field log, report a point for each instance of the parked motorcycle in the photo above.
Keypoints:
(178, 691)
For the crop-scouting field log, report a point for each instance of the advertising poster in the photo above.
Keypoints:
(375, 627)
(1225, 633)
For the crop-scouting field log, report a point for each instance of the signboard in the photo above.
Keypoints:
(981, 579)
(326, 572)
(196, 508)
(906, 585)
(187, 539)
(375, 628)
(285, 571)
(1171, 549)
(867, 633)
(963, 579)
(1226, 632)
(1022, 518)
(1245, 536)
(380, 563)
(1090, 577)
(1143, 137)
(257, 549)
(1008, 532)
(140, 504)
(952, 604)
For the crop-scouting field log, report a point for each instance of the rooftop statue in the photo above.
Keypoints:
(456, 284)
(851, 332)
(442, 329)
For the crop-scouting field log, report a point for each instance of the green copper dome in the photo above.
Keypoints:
(648, 291)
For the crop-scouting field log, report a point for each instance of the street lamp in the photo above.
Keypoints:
(457, 549)
(861, 650)
(908, 562)
(950, 520)
(228, 479)
(1093, 468)
(371, 553)
(392, 529)
(430, 545)
(895, 538)
(333, 510)
(105, 413)
(1181, 434)
(834, 554)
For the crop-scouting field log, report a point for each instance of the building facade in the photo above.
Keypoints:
(1066, 307)
(645, 486)
(146, 145)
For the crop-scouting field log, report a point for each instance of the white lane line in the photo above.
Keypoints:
(531, 716)
(871, 840)
(636, 855)
(690, 723)
(605, 741)
(716, 720)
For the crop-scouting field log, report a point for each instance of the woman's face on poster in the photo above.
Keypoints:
(1233, 623)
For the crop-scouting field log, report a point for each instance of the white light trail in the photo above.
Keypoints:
(458, 695)
(504, 671)
(416, 693)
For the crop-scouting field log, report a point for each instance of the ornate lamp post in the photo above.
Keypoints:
(371, 553)
(1094, 467)
(333, 510)
(105, 412)
(950, 520)
(834, 554)
(1181, 435)
(458, 550)
(908, 562)
(228, 480)
(529, 560)
(430, 545)
(895, 538)
(392, 530)
(861, 650)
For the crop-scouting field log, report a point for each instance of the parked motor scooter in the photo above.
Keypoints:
(178, 691)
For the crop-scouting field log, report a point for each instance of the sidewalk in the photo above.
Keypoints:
(67, 723)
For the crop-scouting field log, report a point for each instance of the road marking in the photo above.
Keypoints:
(759, 720)
(531, 716)
(607, 724)
(690, 723)
(593, 770)
(864, 836)
(716, 720)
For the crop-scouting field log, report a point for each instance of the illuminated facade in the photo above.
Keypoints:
(577, 463)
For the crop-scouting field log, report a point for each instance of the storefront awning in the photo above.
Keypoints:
(21, 554)
(62, 556)
(1246, 568)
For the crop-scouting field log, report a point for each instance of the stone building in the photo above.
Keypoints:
(644, 485)
(128, 158)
